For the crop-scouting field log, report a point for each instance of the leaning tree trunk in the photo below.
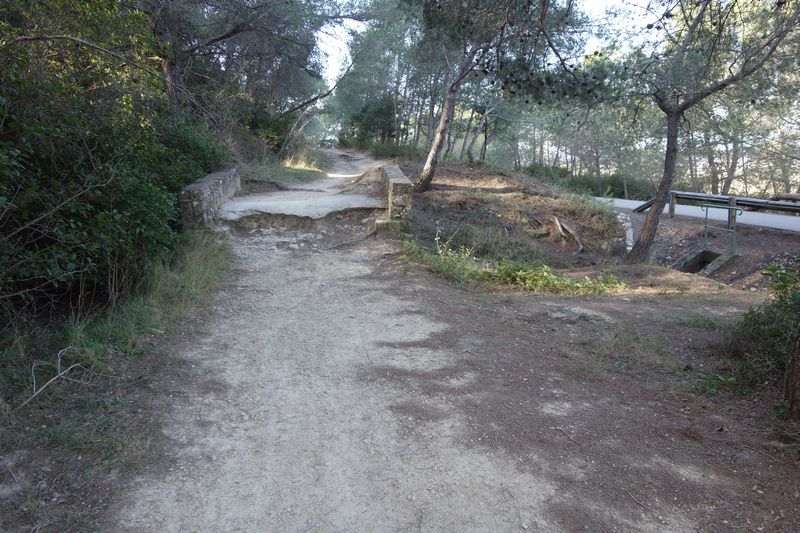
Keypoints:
(791, 384)
(426, 176)
(641, 249)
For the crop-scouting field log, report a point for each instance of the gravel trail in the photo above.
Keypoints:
(295, 436)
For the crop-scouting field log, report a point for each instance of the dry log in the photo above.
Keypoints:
(558, 227)
(564, 230)
(575, 236)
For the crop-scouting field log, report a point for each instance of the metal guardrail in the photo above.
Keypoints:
(733, 213)
(755, 204)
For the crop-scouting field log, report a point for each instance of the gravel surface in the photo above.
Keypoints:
(338, 389)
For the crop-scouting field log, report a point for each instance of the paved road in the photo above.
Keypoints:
(751, 218)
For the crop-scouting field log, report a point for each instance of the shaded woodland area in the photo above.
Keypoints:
(109, 108)
(507, 116)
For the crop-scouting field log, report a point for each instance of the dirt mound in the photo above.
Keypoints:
(502, 216)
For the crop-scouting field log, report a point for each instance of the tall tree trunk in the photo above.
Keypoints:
(466, 135)
(425, 178)
(431, 111)
(541, 149)
(733, 161)
(557, 157)
(641, 249)
(396, 102)
(418, 124)
(449, 143)
(596, 159)
(712, 165)
(786, 176)
(474, 139)
(485, 139)
(696, 184)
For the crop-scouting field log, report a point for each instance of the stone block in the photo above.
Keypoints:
(399, 192)
(201, 201)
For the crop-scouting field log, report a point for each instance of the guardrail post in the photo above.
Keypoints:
(732, 213)
(672, 201)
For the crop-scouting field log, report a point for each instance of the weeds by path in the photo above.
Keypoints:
(75, 429)
(462, 266)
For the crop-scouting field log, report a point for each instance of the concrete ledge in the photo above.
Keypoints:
(399, 192)
(201, 202)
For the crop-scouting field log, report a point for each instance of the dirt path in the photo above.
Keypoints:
(334, 390)
(314, 200)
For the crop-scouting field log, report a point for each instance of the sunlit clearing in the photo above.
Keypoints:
(300, 164)
(343, 175)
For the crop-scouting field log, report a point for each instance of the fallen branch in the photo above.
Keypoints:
(575, 236)
(60, 374)
(559, 228)
(50, 382)
(318, 97)
(632, 497)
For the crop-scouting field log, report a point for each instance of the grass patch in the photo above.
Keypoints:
(304, 167)
(172, 289)
(700, 321)
(712, 383)
(461, 265)
(493, 243)
(627, 347)
(594, 214)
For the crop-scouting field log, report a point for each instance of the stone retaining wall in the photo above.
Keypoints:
(201, 201)
(399, 192)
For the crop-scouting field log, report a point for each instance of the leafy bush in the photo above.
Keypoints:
(613, 185)
(764, 338)
(86, 227)
(390, 151)
(535, 170)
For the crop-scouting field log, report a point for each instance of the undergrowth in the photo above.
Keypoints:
(302, 167)
(170, 289)
(763, 340)
(87, 427)
(461, 265)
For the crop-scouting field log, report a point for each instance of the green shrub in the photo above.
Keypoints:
(535, 170)
(461, 265)
(543, 279)
(762, 341)
(391, 151)
(613, 185)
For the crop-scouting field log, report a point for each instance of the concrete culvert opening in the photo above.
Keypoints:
(698, 261)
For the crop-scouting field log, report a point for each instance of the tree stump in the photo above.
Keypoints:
(791, 385)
